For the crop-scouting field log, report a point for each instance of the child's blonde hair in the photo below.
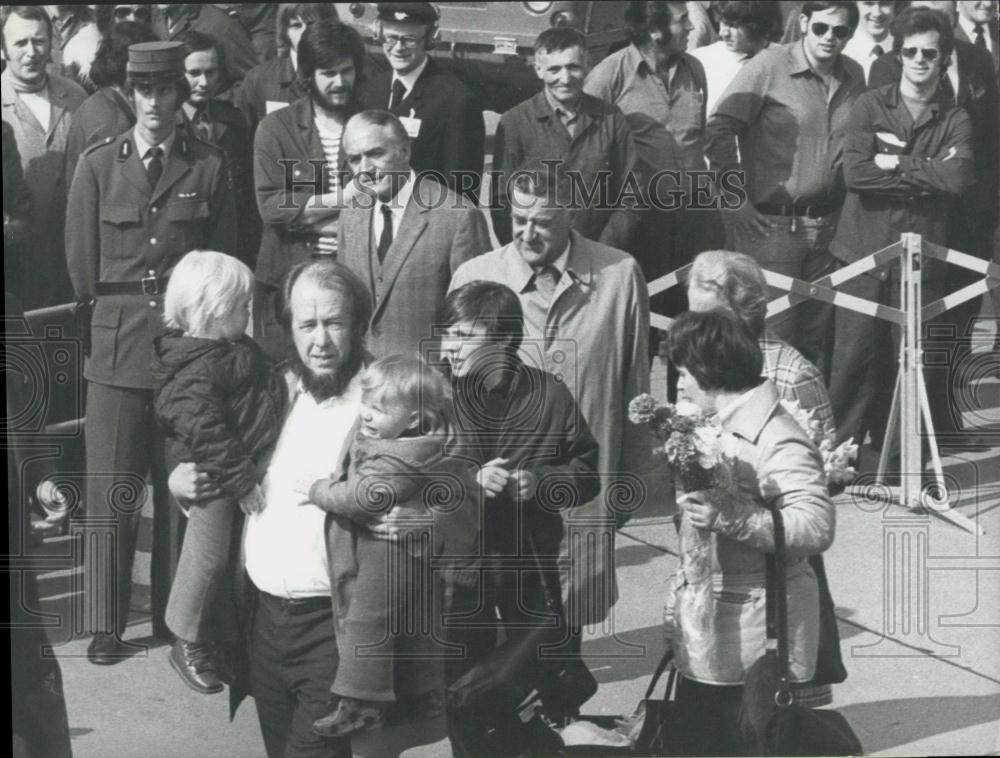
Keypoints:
(204, 286)
(409, 381)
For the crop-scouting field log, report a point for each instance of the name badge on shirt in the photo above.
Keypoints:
(274, 105)
(411, 124)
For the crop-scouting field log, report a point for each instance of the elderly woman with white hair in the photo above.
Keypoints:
(221, 406)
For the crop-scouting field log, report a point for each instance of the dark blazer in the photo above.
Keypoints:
(230, 134)
(237, 48)
(976, 216)
(119, 229)
(993, 30)
(289, 168)
(438, 233)
(104, 114)
(452, 135)
(268, 85)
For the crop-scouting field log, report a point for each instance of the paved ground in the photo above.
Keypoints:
(916, 603)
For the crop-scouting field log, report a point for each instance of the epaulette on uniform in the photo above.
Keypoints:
(98, 145)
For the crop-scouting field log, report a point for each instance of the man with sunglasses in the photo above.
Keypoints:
(908, 156)
(442, 115)
(786, 110)
(972, 84)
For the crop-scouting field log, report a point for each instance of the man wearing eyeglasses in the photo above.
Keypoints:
(441, 114)
(908, 156)
(787, 109)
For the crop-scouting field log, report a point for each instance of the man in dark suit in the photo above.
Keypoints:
(138, 203)
(971, 222)
(404, 237)
(977, 24)
(441, 114)
(297, 165)
(220, 123)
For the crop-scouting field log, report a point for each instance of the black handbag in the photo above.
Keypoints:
(658, 735)
(771, 722)
(505, 703)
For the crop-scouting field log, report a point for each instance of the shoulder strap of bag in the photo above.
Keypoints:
(660, 668)
(777, 607)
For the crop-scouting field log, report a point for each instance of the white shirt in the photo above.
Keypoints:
(144, 147)
(397, 206)
(408, 79)
(39, 105)
(861, 48)
(969, 27)
(721, 66)
(286, 542)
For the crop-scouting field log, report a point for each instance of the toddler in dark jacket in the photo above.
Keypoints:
(220, 405)
(399, 474)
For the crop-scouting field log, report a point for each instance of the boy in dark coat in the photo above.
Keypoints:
(220, 405)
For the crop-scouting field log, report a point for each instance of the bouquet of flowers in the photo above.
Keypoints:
(690, 439)
(836, 458)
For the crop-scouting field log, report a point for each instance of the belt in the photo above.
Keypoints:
(807, 210)
(295, 606)
(148, 285)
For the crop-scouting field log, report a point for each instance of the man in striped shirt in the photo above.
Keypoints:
(297, 166)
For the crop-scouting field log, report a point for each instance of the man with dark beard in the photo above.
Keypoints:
(297, 167)
(292, 641)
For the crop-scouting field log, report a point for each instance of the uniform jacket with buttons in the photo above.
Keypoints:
(439, 232)
(120, 229)
(289, 168)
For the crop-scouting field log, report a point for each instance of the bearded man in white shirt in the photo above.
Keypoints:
(292, 642)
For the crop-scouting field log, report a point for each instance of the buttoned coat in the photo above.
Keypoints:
(43, 160)
(452, 136)
(289, 167)
(439, 232)
(122, 229)
(598, 327)
(104, 114)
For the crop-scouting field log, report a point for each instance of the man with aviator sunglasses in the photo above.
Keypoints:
(908, 156)
(781, 122)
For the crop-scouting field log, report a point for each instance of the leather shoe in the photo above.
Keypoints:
(195, 663)
(106, 649)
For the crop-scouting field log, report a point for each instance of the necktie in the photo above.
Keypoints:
(385, 239)
(155, 168)
(980, 39)
(877, 51)
(397, 94)
(202, 126)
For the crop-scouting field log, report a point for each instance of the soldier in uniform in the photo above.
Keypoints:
(138, 202)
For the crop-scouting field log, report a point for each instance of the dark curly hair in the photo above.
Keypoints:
(717, 350)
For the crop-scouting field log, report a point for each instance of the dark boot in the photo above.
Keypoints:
(195, 663)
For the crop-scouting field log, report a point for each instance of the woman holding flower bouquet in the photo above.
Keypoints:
(745, 455)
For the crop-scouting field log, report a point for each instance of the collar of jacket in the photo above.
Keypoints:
(579, 264)
(749, 419)
(893, 98)
(590, 106)
(799, 63)
(58, 90)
